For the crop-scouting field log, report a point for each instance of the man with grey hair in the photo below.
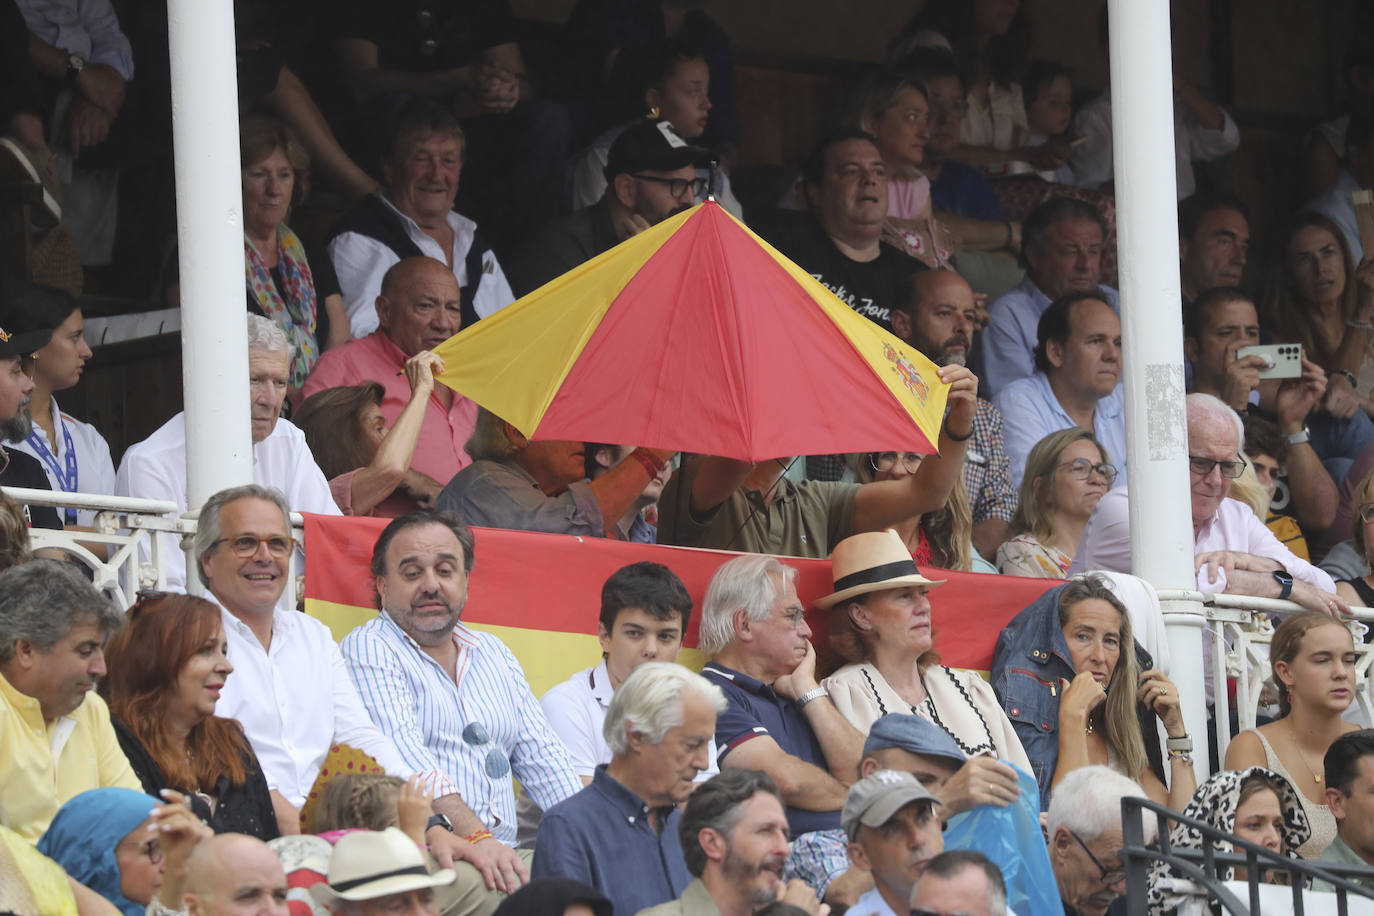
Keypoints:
(54, 730)
(620, 833)
(960, 881)
(542, 486)
(291, 693)
(780, 720)
(1233, 550)
(156, 467)
(1084, 829)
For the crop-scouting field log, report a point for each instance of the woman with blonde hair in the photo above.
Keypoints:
(1066, 672)
(1067, 473)
(943, 538)
(1312, 657)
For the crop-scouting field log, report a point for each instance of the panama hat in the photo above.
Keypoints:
(368, 864)
(871, 562)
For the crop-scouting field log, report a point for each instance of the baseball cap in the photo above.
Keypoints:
(873, 800)
(653, 146)
(912, 733)
(27, 313)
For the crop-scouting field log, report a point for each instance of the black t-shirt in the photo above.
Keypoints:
(559, 247)
(420, 35)
(25, 471)
(868, 287)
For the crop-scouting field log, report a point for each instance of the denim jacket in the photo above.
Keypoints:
(1030, 660)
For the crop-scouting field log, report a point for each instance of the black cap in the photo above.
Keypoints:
(653, 146)
(29, 313)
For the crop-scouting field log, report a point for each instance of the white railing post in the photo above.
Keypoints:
(214, 342)
(1147, 242)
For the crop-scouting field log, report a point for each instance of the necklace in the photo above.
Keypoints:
(1302, 755)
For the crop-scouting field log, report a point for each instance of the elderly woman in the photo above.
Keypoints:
(1065, 671)
(118, 842)
(166, 669)
(299, 293)
(73, 454)
(880, 625)
(1067, 473)
(1313, 660)
(1256, 805)
(366, 464)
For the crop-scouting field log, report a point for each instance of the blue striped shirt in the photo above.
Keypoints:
(424, 711)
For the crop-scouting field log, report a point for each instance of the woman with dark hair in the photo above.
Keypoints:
(298, 292)
(880, 626)
(74, 455)
(1254, 804)
(1065, 670)
(1067, 474)
(1324, 302)
(366, 464)
(1312, 657)
(166, 669)
(555, 897)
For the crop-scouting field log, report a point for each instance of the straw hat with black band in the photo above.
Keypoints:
(872, 562)
(368, 864)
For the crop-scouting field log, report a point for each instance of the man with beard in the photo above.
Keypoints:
(425, 678)
(1062, 253)
(21, 335)
(893, 832)
(55, 731)
(651, 174)
(734, 838)
(620, 833)
(936, 316)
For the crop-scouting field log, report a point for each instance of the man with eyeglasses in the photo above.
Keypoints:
(290, 690)
(651, 174)
(937, 315)
(1085, 836)
(156, 467)
(455, 700)
(1077, 381)
(1233, 549)
(960, 882)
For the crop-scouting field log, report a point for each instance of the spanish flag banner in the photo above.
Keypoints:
(541, 593)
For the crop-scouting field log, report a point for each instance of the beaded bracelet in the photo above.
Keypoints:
(479, 836)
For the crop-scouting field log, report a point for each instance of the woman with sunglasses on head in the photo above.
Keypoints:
(943, 538)
(166, 669)
(1067, 473)
(1312, 658)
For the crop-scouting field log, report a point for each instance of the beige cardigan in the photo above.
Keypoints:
(959, 701)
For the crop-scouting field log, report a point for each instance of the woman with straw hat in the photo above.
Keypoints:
(880, 625)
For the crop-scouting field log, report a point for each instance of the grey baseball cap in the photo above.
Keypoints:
(874, 799)
(909, 732)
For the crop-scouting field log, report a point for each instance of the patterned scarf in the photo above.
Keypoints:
(296, 313)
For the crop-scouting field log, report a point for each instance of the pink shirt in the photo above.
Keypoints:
(440, 452)
(1106, 542)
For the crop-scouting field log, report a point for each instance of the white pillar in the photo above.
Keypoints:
(1152, 332)
(214, 336)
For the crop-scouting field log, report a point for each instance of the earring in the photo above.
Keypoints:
(653, 113)
(1290, 696)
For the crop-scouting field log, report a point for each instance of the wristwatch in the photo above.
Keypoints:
(75, 64)
(813, 694)
(1285, 582)
(439, 820)
(1298, 438)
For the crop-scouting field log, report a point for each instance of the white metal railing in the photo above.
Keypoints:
(1240, 628)
(128, 529)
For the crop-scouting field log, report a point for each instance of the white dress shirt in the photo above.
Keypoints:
(361, 261)
(425, 710)
(88, 28)
(95, 471)
(295, 700)
(156, 469)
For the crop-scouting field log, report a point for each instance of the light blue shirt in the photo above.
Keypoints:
(88, 28)
(1009, 339)
(417, 704)
(1336, 204)
(1031, 412)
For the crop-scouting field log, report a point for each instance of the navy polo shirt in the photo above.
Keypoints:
(755, 711)
(601, 836)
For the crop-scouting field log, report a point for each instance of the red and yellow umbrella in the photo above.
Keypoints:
(696, 335)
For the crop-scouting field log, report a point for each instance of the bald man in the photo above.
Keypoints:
(232, 874)
(419, 308)
(936, 316)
